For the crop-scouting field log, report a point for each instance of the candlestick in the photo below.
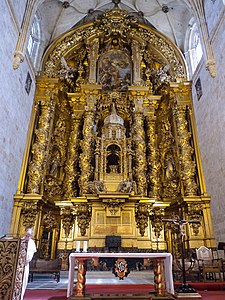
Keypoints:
(77, 246)
(85, 246)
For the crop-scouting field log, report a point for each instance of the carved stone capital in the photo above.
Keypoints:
(211, 67)
(18, 59)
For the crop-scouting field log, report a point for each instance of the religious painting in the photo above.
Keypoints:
(114, 71)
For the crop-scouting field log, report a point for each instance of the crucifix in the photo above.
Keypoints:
(179, 221)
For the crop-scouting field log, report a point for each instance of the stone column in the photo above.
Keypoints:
(87, 147)
(198, 10)
(140, 151)
(44, 97)
(21, 45)
(72, 158)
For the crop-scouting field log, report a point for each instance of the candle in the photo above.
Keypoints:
(85, 246)
(77, 246)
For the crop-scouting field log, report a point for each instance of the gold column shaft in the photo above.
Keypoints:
(72, 161)
(188, 166)
(152, 159)
(35, 172)
(86, 146)
(140, 152)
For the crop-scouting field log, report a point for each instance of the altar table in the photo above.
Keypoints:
(163, 277)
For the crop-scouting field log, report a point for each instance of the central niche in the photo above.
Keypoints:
(114, 71)
(113, 159)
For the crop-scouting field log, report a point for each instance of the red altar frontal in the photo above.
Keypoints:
(163, 277)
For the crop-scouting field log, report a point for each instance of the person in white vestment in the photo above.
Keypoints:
(31, 249)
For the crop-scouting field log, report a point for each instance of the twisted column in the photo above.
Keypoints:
(86, 146)
(152, 159)
(140, 152)
(35, 170)
(159, 278)
(73, 159)
(81, 278)
(187, 165)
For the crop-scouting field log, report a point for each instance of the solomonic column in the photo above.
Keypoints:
(140, 152)
(73, 158)
(152, 158)
(45, 100)
(184, 136)
(87, 147)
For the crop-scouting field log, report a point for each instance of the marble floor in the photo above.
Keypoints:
(41, 281)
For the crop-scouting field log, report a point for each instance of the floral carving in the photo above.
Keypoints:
(142, 213)
(29, 212)
(83, 214)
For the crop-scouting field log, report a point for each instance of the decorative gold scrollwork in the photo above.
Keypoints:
(68, 218)
(49, 220)
(156, 216)
(195, 212)
(29, 212)
(83, 214)
(142, 212)
(113, 205)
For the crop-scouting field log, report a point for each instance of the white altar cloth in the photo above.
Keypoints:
(168, 259)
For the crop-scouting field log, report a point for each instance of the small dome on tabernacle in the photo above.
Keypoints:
(113, 118)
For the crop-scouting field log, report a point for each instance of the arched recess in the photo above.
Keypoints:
(113, 159)
(84, 41)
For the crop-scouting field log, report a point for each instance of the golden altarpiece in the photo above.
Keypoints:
(112, 145)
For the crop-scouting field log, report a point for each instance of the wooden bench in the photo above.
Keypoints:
(45, 266)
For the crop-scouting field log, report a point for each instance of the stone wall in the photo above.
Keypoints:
(210, 118)
(15, 108)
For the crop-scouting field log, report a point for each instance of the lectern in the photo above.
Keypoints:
(12, 262)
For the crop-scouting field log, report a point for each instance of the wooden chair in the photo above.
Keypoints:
(209, 266)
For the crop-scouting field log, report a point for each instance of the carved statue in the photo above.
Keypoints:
(54, 168)
(127, 186)
(94, 187)
(169, 171)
